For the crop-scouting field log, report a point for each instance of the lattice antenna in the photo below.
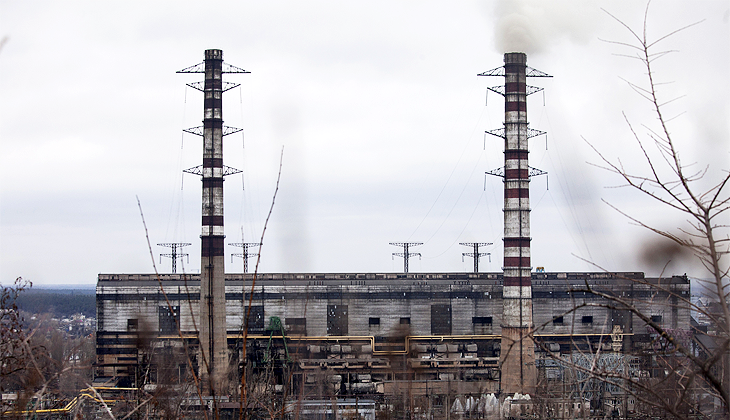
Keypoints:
(406, 254)
(245, 254)
(476, 254)
(174, 254)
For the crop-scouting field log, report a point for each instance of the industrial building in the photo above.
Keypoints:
(435, 335)
(414, 344)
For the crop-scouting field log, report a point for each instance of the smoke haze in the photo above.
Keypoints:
(530, 26)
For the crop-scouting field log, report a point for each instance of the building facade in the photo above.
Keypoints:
(419, 339)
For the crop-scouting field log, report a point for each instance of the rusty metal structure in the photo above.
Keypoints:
(518, 362)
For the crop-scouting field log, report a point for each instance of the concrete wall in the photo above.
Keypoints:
(469, 353)
(123, 297)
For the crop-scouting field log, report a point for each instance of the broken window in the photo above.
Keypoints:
(255, 318)
(441, 319)
(481, 320)
(132, 324)
(168, 320)
(336, 319)
(296, 325)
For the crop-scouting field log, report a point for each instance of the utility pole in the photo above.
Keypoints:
(173, 253)
(246, 254)
(476, 254)
(406, 254)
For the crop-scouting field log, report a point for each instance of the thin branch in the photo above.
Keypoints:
(170, 308)
(242, 402)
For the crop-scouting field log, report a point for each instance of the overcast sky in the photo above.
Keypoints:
(379, 112)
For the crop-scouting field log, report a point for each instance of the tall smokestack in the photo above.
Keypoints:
(517, 355)
(213, 337)
(518, 351)
(213, 360)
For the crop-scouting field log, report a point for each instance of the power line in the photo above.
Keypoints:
(476, 254)
(406, 254)
(246, 254)
(174, 255)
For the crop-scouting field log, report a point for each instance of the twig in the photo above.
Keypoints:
(169, 308)
(243, 401)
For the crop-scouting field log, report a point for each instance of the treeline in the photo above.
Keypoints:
(60, 303)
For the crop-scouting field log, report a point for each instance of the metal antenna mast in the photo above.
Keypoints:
(406, 254)
(246, 254)
(174, 254)
(476, 254)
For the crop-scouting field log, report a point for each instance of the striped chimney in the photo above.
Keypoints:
(213, 338)
(518, 352)
(213, 360)
(517, 355)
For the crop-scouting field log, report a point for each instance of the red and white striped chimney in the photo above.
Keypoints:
(518, 351)
(517, 356)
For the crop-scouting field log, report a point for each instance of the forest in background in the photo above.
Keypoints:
(58, 302)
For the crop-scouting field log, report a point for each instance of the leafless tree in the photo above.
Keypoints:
(42, 365)
(701, 196)
(15, 351)
(13, 355)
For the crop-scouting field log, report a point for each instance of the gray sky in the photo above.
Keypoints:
(381, 116)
